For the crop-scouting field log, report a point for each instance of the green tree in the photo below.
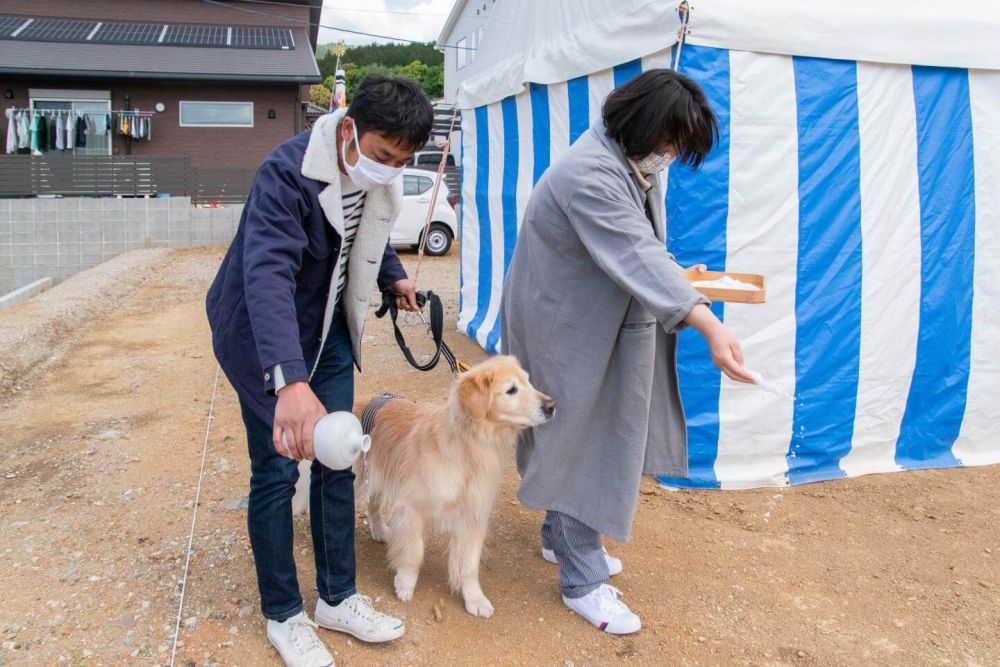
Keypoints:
(320, 95)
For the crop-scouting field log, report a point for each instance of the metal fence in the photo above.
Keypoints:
(127, 176)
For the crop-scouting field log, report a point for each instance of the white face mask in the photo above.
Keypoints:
(654, 163)
(367, 173)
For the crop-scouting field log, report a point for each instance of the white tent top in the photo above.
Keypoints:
(557, 40)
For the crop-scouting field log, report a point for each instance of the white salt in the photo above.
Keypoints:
(726, 282)
(767, 385)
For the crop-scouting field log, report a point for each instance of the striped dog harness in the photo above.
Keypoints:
(372, 409)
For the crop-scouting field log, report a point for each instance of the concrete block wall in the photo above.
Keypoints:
(57, 238)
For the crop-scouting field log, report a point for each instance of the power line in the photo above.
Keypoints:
(285, 3)
(332, 27)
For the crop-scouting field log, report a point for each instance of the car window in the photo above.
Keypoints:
(410, 185)
(428, 158)
(424, 184)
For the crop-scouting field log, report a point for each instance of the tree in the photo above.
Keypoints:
(421, 62)
(320, 95)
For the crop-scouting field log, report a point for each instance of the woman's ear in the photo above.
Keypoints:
(475, 392)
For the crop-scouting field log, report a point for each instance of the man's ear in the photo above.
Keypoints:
(475, 392)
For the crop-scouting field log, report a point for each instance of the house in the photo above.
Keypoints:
(208, 86)
(459, 40)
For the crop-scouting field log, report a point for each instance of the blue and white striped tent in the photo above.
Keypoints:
(858, 169)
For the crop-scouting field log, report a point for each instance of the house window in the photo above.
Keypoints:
(462, 53)
(90, 105)
(216, 114)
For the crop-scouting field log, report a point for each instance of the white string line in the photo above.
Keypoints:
(194, 517)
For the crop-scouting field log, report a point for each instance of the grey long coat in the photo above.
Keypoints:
(591, 306)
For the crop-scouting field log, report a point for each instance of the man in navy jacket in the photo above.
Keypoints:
(287, 311)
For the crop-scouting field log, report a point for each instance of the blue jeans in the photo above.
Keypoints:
(331, 497)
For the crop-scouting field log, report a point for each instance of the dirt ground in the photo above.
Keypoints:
(97, 483)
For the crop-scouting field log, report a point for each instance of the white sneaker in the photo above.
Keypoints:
(605, 611)
(614, 564)
(357, 617)
(297, 642)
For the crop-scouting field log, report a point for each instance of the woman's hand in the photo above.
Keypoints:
(725, 348)
(727, 355)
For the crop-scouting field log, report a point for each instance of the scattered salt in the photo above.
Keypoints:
(726, 282)
(767, 385)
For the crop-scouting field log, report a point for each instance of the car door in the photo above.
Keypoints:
(413, 213)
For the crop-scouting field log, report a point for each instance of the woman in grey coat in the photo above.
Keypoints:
(591, 308)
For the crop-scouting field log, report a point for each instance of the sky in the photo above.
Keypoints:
(420, 20)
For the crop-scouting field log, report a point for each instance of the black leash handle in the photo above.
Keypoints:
(437, 328)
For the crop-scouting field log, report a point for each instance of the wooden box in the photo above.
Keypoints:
(729, 295)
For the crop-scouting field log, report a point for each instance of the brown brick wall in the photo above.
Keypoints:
(186, 11)
(206, 146)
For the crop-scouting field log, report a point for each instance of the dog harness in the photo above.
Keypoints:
(372, 409)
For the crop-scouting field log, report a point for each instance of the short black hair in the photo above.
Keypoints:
(661, 107)
(395, 107)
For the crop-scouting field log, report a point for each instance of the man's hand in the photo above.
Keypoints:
(296, 415)
(406, 294)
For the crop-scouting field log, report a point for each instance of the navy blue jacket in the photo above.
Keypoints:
(267, 302)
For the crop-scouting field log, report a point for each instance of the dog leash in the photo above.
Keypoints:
(436, 327)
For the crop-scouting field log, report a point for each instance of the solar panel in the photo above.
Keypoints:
(196, 35)
(262, 38)
(57, 30)
(9, 24)
(128, 33)
(122, 32)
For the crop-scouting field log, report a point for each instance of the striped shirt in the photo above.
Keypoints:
(353, 199)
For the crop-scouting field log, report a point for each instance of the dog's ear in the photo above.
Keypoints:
(475, 391)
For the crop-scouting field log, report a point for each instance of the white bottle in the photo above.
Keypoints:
(339, 439)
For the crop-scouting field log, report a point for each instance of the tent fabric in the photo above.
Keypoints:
(869, 196)
(548, 42)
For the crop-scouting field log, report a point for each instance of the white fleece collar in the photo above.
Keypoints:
(320, 160)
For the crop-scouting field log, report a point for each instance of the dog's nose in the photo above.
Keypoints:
(548, 407)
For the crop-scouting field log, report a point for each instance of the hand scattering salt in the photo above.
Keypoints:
(767, 385)
(726, 282)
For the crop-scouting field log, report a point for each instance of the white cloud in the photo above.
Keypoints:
(422, 22)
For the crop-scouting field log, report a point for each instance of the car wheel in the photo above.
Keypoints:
(438, 240)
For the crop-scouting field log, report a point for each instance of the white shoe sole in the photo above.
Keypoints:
(282, 658)
(629, 628)
(614, 565)
(387, 636)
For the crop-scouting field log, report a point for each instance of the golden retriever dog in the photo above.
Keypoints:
(438, 466)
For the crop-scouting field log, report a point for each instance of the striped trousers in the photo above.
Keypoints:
(578, 548)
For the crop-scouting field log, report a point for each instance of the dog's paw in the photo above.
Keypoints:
(404, 588)
(379, 532)
(479, 606)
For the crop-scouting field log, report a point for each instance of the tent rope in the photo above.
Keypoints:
(434, 194)
(194, 517)
(685, 12)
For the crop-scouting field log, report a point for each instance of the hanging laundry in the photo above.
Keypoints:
(11, 146)
(36, 122)
(50, 125)
(70, 129)
(81, 132)
(60, 137)
(23, 130)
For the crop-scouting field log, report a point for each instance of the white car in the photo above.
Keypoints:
(417, 188)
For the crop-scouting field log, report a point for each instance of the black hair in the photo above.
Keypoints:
(658, 108)
(395, 107)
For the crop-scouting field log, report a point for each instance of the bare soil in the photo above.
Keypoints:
(97, 484)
